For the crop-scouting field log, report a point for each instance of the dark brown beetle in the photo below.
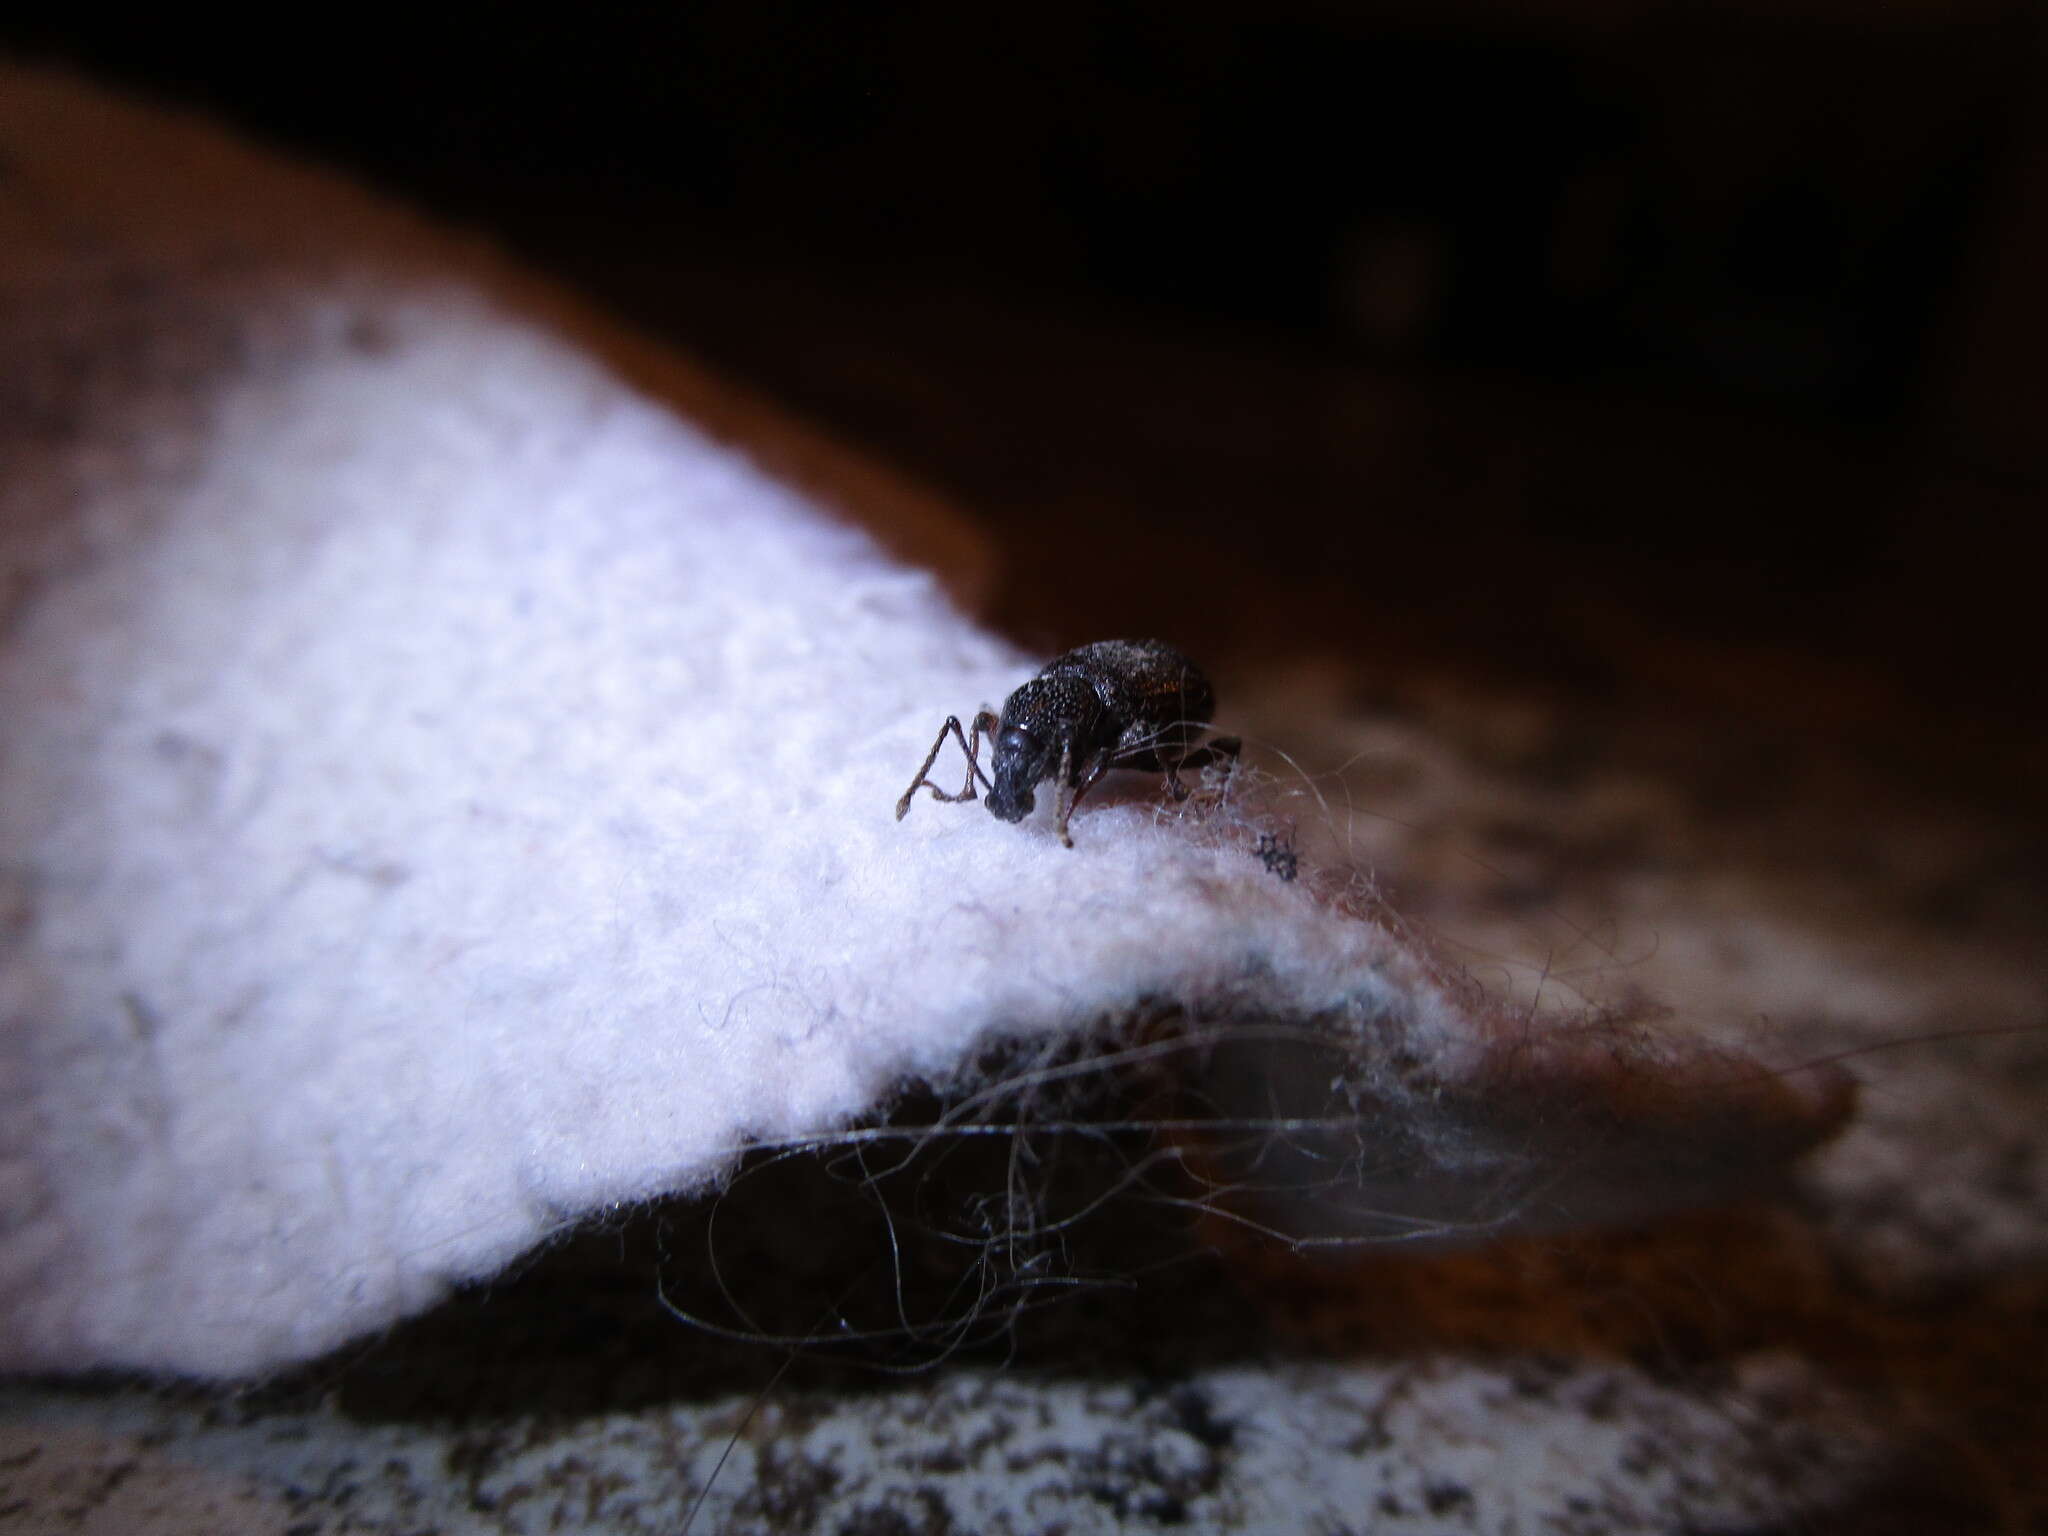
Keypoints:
(1114, 704)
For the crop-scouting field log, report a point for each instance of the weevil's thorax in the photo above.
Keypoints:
(1157, 698)
(1061, 709)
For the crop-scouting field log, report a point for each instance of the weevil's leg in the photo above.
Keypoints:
(1067, 797)
(1220, 749)
(967, 793)
(1090, 776)
(985, 725)
(903, 806)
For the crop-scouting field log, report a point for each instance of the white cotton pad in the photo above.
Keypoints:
(445, 794)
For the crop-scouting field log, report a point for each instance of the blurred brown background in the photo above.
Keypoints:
(1653, 355)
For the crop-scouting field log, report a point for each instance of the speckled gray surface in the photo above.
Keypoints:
(1423, 1446)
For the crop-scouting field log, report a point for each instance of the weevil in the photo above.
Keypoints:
(1114, 704)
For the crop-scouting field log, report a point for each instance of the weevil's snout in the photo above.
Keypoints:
(1019, 765)
(1009, 803)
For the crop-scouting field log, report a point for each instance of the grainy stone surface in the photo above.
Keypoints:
(1425, 1445)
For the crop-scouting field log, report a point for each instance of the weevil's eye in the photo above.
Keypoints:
(1016, 742)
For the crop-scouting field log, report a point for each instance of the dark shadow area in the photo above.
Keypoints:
(1144, 1292)
(890, 1263)
(1044, 1221)
(1126, 1209)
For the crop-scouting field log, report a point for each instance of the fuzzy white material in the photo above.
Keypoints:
(444, 794)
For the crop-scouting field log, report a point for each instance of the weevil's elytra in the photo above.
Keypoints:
(1114, 704)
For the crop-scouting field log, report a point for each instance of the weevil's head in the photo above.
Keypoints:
(1022, 758)
(1048, 715)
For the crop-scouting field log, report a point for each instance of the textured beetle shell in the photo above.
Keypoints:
(1162, 698)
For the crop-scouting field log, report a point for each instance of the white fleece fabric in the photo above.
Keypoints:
(444, 794)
